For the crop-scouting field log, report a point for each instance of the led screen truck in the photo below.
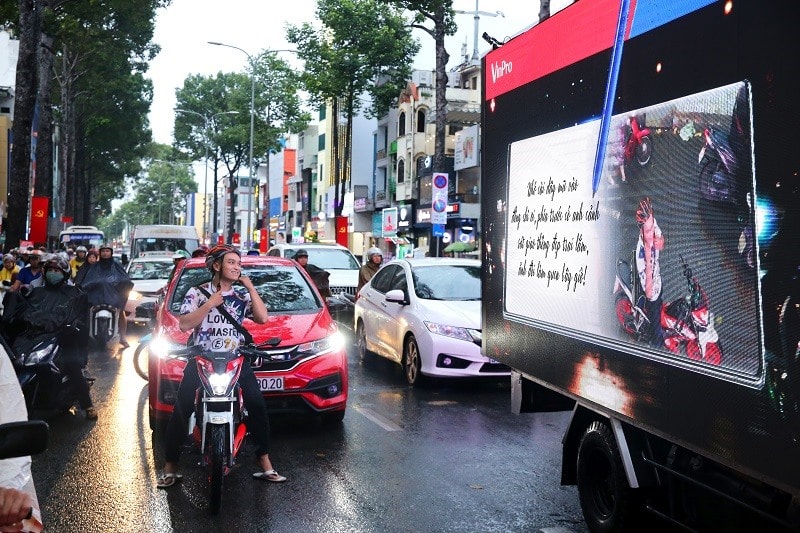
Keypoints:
(641, 253)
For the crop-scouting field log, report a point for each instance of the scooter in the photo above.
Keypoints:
(638, 144)
(689, 325)
(45, 387)
(218, 425)
(629, 302)
(103, 324)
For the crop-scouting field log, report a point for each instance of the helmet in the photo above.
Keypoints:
(180, 254)
(644, 211)
(55, 260)
(80, 249)
(374, 251)
(300, 253)
(218, 252)
(105, 247)
(200, 251)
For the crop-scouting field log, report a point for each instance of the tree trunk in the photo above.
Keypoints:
(337, 167)
(348, 147)
(43, 186)
(442, 57)
(24, 103)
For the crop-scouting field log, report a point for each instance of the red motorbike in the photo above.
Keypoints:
(638, 144)
(218, 426)
(688, 324)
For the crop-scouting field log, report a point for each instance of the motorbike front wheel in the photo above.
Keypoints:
(624, 312)
(644, 150)
(141, 360)
(217, 453)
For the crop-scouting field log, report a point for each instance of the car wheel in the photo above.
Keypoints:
(361, 342)
(412, 362)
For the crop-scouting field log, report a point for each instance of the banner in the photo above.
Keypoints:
(341, 230)
(39, 206)
(389, 222)
(439, 199)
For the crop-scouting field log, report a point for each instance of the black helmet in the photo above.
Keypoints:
(300, 253)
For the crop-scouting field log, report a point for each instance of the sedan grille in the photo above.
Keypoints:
(279, 359)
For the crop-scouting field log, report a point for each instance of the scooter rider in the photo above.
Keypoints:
(200, 313)
(374, 260)
(59, 306)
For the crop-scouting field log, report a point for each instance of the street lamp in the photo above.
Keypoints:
(207, 119)
(160, 194)
(252, 119)
(477, 16)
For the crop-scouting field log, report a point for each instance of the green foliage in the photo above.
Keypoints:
(343, 63)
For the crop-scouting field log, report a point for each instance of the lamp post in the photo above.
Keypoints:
(477, 16)
(206, 120)
(160, 194)
(252, 119)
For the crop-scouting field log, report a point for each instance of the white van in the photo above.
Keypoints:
(163, 238)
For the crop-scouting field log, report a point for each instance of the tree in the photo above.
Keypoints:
(99, 50)
(161, 188)
(277, 110)
(440, 14)
(341, 65)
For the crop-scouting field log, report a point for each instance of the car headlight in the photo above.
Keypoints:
(465, 334)
(330, 343)
(134, 295)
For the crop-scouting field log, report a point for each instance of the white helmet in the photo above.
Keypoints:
(374, 251)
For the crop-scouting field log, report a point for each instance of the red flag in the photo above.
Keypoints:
(39, 207)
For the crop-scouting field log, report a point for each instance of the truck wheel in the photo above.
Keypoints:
(607, 502)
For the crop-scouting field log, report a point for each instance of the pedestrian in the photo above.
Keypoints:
(319, 276)
(373, 264)
(200, 313)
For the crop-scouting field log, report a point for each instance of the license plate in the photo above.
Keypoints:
(270, 384)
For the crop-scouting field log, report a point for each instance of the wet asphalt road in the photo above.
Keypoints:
(447, 457)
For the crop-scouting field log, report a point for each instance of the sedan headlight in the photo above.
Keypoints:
(134, 295)
(328, 344)
(161, 347)
(465, 334)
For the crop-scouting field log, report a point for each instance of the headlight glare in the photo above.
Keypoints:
(449, 331)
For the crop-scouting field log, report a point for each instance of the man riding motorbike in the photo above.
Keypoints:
(374, 261)
(199, 312)
(106, 282)
(54, 307)
(319, 276)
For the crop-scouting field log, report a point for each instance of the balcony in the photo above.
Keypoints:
(380, 154)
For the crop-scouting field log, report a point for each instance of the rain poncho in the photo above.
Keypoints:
(105, 282)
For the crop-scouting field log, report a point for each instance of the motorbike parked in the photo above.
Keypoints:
(638, 144)
(687, 323)
(219, 423)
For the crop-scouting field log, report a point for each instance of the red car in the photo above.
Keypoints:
(304, 367)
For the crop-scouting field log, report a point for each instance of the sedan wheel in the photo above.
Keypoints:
(361, 341)
(412, 362)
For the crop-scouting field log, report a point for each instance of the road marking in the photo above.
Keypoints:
(557, 529)
(382, 421)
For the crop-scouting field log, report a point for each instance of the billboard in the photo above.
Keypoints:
(467, 149)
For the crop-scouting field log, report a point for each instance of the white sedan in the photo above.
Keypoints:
(426, 315)
(149, 276)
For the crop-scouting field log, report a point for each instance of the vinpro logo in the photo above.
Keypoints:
(500, 69)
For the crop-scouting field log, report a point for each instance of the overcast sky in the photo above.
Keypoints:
(183, 29)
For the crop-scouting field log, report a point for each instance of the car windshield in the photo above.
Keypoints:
(329, 258)
(447, 282)
(283, 288)
(142, 270)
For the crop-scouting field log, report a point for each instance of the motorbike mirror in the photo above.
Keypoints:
(18, 439)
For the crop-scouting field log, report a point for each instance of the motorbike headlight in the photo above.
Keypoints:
(219, 384)
(451, 331)
(42, 355)
(325, 345)
(134, 295)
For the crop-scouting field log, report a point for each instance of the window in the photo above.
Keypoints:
(382, 280)
(420, 165)
(321, 145)
(401, 124)
(401, 171)
(421, 121)
(322, 111)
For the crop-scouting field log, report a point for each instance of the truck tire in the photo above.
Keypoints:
(607, 502)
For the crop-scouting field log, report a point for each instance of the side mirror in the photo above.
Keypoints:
(397, 296)
(18, 439)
